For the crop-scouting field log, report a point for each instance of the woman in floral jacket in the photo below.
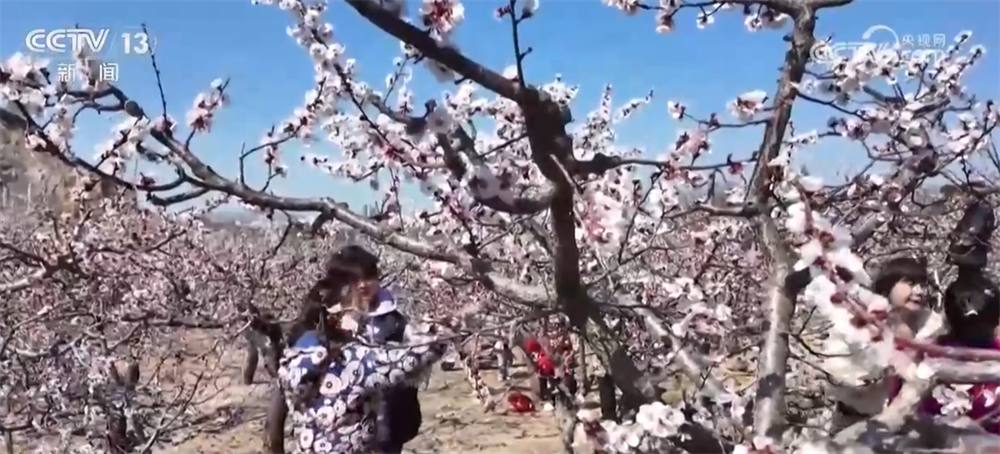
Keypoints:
(330, 379)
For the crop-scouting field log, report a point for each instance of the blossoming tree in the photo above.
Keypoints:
(545, 213)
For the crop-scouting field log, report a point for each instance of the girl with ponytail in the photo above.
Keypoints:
(331, 380)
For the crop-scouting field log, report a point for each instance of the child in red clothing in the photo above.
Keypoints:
(543, 362)
(545, 367)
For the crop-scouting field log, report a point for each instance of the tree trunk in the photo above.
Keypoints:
(581, 367)
(779, 304)
(277, 410)
(117, 432)
(250, 367)
(609, 401)
(274, 426)
(8, 441)
(115, 376)
(132, 375)
(272, 361)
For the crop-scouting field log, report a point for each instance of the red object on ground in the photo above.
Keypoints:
(519, 403)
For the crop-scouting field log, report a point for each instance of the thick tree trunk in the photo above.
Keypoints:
(277, 411)
(132, 375)
(769, 401)
(609, 401)
(117, 432)
(272, 360)
(116, 429)
(250, 367)
(581, 367)
(8, 441)
(274, 426)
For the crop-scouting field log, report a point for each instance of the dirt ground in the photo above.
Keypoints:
(453, 420)
(230, 415)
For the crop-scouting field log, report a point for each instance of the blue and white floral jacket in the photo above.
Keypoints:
(342, 418)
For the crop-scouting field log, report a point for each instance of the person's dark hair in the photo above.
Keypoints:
(972, 308)
(900, 269)
(361, 258)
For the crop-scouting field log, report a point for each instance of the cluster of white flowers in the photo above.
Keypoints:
(654, 423)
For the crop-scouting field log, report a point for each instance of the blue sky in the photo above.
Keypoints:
(588, 43)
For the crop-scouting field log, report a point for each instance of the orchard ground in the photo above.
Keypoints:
(234, 413)
(454, 421)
